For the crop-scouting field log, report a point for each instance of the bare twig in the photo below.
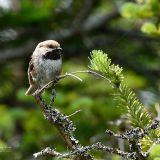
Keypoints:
(71, 74)
(82, 150)
(74, 113)
(47, 151)
(101, 147)
(93, 73)
(39, 91)
(83, 71)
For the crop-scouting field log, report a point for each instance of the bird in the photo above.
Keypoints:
(45, 65)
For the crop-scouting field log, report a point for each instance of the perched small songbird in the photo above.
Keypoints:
(45, 65)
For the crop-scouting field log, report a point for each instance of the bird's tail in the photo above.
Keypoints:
(30, 90)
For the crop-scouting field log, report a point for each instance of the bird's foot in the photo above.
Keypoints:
(56, 79)
(40, 90)
(53, 96)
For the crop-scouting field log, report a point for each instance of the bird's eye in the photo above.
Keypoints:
(49, 46)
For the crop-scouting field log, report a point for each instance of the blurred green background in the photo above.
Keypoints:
(128, 30)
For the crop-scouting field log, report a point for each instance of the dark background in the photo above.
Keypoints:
(116, 27)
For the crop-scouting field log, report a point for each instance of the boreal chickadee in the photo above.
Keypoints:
(45, 65)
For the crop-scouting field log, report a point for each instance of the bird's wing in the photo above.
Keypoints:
(32, 79)
(31, 73)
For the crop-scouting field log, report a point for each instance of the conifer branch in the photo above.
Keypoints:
(128, 101)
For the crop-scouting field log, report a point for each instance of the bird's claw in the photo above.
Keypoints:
(39, 91)
(53, 96)
(56, 79)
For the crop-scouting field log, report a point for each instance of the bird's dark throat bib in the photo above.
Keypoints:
(53, 55)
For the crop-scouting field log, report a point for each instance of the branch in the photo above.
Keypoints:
(101, 147)
(71, 74)
(47, 151)
(61, 122)
(134, 135)
(64, 125)
(80, 151)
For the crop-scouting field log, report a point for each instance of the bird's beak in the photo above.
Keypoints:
(50, 50)
(54, 49)
(59, 48)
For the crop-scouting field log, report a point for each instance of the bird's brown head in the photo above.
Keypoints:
(50, 49)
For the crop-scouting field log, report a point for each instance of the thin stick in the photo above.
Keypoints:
(93, 73)
(72, 75)
(54, 81)
(84, 71)
(74, 113)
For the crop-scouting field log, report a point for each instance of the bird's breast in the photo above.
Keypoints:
(48, 70)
